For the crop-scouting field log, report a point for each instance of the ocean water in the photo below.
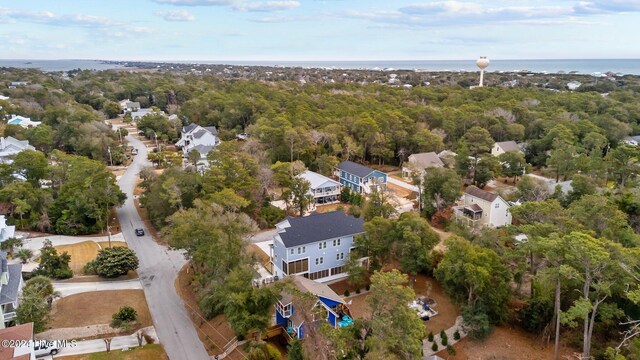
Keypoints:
(586, 66)
(59, 65)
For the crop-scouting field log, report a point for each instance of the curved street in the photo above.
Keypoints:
(158, 270)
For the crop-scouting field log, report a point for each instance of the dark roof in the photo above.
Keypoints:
(317, 227)
(481, 194)
(425, 160)
(198, 134)
(473, 207)
(355, 169)
(9, 292)
(189, 127)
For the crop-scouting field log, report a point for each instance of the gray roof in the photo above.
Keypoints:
(425, 160)
(481, 194)
(355, 169)
(189, 127)
(317, 227)
(509, 146)
(9, 292)
(203, 149)
(198, 134)
(636, 138)
(212, 129)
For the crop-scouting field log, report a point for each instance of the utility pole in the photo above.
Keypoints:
(110, 158)
(156, 136)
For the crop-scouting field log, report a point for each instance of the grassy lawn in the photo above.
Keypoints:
(81, 253)
(146, 352)
(105, 244)
(96, 307)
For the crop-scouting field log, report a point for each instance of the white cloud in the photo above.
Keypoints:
(266, 6)
(176, 15)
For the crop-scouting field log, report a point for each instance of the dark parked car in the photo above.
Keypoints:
(139, 232)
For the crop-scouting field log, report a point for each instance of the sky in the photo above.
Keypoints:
(322, 30)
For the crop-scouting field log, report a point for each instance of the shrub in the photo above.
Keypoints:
(451, 350)
(148, 338)
(456, 335)
(367, 287)
(476, 323)
(443, 335)
(90, 268)
(444, 341)
(61, 274)
(358, 291)
(115, 261)
(24, 255)
(347, 293)
(125, 313)
(434, 347)
(430, 336)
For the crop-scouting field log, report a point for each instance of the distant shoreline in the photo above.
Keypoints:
(537, 66)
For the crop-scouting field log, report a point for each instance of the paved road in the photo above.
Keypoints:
(158, 269)
(98, 345)
(70, 288)
(402, 184)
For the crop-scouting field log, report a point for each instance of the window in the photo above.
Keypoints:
(336, 270)
(321, 260)
(296, 267)
(337, 256)
(341, 256)
(317, 261)
(497, 205)
(292, 251)
(299, 250)
(336, 242)
(319, 274)
(322, 245)
(304, 249)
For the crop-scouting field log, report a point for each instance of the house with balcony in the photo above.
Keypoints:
(10, 290)
(196, 137)
(417, 165)
(329, 306)
(19, 334)
(127, 105)
(323, 189)
(360, 178)
(315, 246)
(482, 208)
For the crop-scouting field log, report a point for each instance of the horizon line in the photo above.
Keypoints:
(281, 60)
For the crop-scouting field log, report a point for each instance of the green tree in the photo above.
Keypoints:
(562, 160)
(623, 162)
(487, 168)
(33, 165)
(441, 187)
(10, 245)
(115, 261)
(479, 142)
(396, 331)
(53, 265)
(415, 240)
(33, 309)
(532, 189)
(294, 350)
(300, 194)
(513, 164)
(475, 276)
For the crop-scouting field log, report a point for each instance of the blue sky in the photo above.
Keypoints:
(318, 29)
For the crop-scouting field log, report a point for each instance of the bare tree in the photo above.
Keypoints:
(107, 343)
(140, 337)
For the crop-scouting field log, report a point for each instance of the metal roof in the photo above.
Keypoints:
(317, 227)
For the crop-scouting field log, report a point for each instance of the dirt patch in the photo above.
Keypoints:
(447, 310)
(506, 343)
(214, 333)
(97, 307)
(146, 352)
(399, 191)
(332, 207)
(385, 168)
(81, 253)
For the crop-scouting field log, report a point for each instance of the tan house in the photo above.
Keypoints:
(502, 147)
(417, 164)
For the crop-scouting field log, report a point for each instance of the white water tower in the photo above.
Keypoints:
(482, 63)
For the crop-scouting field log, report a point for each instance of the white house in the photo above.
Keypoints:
(483, 208)
(417, 164)
(10, 146)
(632, 140)
(573, 85)
(139, 113)
(315, 246)
(6, 231)
(196, 137)
(323, 189)
(25, 122)
(127, 105)
(504, 146)
(21, 335)
(5, 98)
(10, 290)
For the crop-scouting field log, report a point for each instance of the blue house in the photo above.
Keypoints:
(315, 246)
(360, 178)
(330, 307)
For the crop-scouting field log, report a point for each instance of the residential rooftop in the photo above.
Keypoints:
(317, 227)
